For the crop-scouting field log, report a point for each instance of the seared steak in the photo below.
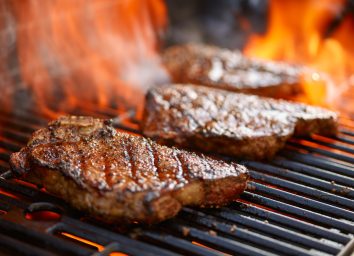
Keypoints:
(118, 176)
(231, 70)
(213, 120)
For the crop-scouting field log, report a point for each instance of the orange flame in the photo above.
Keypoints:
(298, 32)
(73, 52)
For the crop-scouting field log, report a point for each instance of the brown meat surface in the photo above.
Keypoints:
(235, 124)
(118, 176)
(231, 70)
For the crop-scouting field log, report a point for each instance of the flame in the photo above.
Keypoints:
(346, 122)
(85, 241)
(68, 53)
(301, 32)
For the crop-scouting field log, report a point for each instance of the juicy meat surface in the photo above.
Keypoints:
(241, 125)
(118, 176)
(231, 70)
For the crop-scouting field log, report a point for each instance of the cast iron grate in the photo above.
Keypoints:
(301, 203)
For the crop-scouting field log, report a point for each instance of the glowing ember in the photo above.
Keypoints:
(85, 241)
(8, 194)
(43, 216)
(301, 32)
(72, 52)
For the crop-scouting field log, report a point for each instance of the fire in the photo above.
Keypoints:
(307, 32)
(66, 53)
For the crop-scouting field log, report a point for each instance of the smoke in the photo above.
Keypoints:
(67, 53)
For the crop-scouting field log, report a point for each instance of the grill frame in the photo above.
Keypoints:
(269, 219)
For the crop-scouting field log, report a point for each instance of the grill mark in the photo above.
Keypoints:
(154, 157)
(79, 174)
(82, 158)
(207, 165)
(127, 149)
(108, 175)
(87, 167)
(180, 173)
(185, 169)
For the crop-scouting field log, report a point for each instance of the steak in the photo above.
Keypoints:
(118, 176)
(235, 124)
(231, 70)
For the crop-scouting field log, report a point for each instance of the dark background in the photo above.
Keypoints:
(226, 23)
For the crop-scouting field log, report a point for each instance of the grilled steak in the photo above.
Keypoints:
(245, 126)
(231, 70)
(118, 176)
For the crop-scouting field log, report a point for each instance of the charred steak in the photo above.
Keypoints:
(118, 176)
(231, 70)
(213, 120)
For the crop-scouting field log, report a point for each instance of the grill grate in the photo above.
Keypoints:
(300, 203)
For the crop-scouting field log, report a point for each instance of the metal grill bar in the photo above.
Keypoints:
(211, 238)
(314, 171)
(333, 145)
(13, 246)
(301, 189)
(253, 236)
(345, 139)
(318, 162)
(90, 232)
(72, 226)
(347, 132)
(304, 179)
(268, 222)
(301, 203)
(17, 231)
(324, 152)
(298, 211)
(181, 245)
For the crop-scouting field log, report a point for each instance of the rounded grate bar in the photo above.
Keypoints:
(298, 204)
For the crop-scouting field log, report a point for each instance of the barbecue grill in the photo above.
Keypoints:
(301, 203)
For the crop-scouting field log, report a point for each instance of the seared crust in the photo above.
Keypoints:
(231, 70)
(245, 126)
(117, 176)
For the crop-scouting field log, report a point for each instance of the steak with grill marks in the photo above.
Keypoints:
(241, 125)
(119, 176)
(231, 70)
